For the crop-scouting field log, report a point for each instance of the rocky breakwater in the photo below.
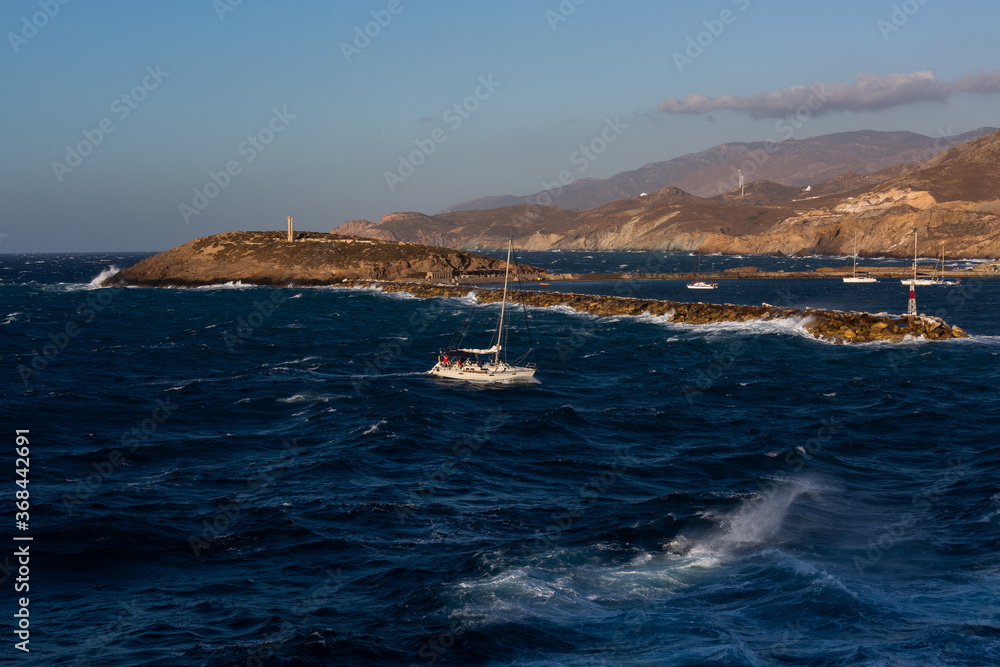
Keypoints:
(831, 325)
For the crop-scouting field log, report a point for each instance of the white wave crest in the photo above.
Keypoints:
(785, 325)
(374, 428)
(104, 276)
(233, 284)
(303, 398)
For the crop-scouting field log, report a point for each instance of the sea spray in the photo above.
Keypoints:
(756, 521)
(99, 280)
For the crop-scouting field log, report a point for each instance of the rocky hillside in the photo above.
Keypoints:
(795, 162)
(951, 200)
(268, 258)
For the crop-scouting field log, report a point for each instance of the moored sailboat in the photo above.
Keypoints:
(855, 277)
(942, 281)
(932, 281)
(699, 283)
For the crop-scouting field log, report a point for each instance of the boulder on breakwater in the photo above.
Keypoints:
(832, 325)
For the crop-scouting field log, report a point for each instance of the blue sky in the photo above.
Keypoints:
(201, 116)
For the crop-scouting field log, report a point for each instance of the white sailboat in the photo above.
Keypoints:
(854, 277)
(698, 283)
(486, 365)
(942, 281)
(919, 281)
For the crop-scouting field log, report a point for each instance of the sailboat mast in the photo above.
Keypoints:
(914, 254)
(503, 302)
(855, 254)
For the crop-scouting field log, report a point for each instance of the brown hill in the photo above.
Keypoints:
(951, 200)
(268, 258)
(963, 173)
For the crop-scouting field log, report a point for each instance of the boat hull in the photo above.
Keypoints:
(700, 284)
(488, 374)
(925, 282)
(860, 279)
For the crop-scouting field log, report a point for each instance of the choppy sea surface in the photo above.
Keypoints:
(254, 476)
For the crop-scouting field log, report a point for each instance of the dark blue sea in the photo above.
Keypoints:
(255, 476)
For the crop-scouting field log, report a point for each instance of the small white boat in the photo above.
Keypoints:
(485, 365)
(855, 277)
(698, 283)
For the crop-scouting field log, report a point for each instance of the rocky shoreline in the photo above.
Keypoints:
(308, 259)
(831, 325)
(305, 259)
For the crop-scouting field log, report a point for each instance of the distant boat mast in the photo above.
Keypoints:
(741, 182)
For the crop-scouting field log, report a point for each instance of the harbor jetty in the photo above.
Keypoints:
(836, 326)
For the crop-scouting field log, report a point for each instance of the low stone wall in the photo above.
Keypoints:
(833, 325)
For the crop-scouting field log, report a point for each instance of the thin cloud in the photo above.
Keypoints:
(980, 82)
(870, 92)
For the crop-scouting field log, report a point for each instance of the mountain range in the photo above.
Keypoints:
(716, 170)
(952, 199)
